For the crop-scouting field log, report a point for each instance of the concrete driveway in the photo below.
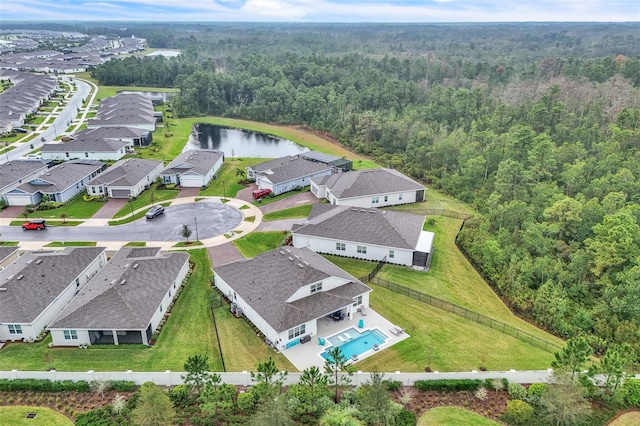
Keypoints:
(111, 207)
(291, 201)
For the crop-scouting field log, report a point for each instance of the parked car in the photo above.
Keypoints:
(154, 211)
(37, 224)
(259, 193)
(33, 157)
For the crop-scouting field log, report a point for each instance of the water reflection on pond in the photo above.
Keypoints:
(241, 143)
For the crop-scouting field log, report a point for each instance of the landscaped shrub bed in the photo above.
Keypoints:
(450, 385)
(35, 385)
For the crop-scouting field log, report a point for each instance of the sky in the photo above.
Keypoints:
(322, 10)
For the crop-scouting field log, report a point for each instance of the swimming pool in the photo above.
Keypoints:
(358, 344)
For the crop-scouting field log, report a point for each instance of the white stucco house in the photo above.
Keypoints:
(59, 183)
(193, 168)
(366, 233)
(126, 179)
(39, 284)
(124, 302)
(287, 173)
(284, 292)
(368, 188)
(105, 143)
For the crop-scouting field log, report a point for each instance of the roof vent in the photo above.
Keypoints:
(282, 252)
(29, 261)
(123, 282)
(39, 261)
(300, 265)
(113, 281)
(291, 258)
(135, 266)
(127, 265)
(306, 263)
(3, 289)
(19, 277)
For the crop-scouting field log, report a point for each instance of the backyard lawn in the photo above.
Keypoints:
(226, 183)
(15, 416)
(255, 243)
(290, 213)
(454, 416)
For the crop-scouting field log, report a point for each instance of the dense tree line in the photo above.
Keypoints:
(547, 151)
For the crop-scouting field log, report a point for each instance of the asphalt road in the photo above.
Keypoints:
(211, 218)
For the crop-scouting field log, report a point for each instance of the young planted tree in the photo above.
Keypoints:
(612, 367)
(341, 417)
(198, 375)
(335, 366)
(154, 408)
(186, 232)
(268, 379)
(310, 397)
(573, 357)
(374, 403)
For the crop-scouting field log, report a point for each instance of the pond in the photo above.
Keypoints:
(241, 143)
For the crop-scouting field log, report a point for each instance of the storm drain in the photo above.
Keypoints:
(31, 415)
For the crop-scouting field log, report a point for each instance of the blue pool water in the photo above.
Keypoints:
(359, 343)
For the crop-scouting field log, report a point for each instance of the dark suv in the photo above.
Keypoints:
(154, 211)
(37, 224)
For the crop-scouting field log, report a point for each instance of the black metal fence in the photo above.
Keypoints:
(439, 212)
(374, 272)
(466, 313)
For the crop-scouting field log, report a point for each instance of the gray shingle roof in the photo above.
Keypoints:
(364, 225)
(103, 139)
(199, 161)
(291, 168)
(367, 182)
(62, 176)
(36, 278)
(127, 172)
(105, 303)
(6, 251)
(124, 109)
(14, 171)
(268, 280)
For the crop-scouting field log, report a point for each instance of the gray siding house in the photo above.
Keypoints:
(193, 168)
(126, 179)
(105, 143)
(287, 173)
(14, 173)
(125, 301)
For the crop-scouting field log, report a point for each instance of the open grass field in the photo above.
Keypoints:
(226, 184)
(631, 418)
(290, 213)
(15, 416)
(255, 243)
(454, 279)
(454, 416)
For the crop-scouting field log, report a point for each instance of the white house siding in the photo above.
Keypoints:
(191, 180)
(84, 155)
(169, 296)
(393, 199)
(20, 199)
(247, 310)
(263, 182)
(327, 284)
(140, 186)
(27, 332)
(320, 191)
(374, 252)
(57, 336)
(310, 329)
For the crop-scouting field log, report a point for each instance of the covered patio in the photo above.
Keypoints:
(309, 354)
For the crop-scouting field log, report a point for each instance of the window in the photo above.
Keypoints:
(15, 329)
(341, 246)
(399, 197)
(70, 335)
(316, 287)
(297, 331)
(86, 154)
(357, 300)
(392, 254)
(67, 154)
(386, 198)
(169, 293)
(375, 200)
(362, 250)
(160, 308)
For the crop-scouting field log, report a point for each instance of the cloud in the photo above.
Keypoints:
(324, 10)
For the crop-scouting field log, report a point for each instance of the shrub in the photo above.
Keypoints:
(123, 386)
(481, 393)
(35, 385)
(393, 385)
(448, 385)
(535, 392)
(632, 392)
(247, 402)
(517, 391)
(179, 396)
(405, 418)
(518, 412)
(50, 205)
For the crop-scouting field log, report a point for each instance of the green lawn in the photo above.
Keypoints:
(228, 174)
(74, 209)
(290, 213)
(15, 416)
(144, 199)
(255, 243)
(136, 216)
(71, 244)
(452, 278)
(9, 243)
(7, 149)
(355, 267)
(454, 416)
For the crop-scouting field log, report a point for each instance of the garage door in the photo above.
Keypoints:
(18, 200)
(191, 181)
(120, 193)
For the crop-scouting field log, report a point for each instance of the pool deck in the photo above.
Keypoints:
(307, 355)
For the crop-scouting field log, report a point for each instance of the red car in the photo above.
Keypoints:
(37, 224)
(259, 193)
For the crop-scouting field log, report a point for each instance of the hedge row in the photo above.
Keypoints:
(449, 385)
(36, 385)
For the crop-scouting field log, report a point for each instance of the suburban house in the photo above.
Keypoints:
(104, 143)
(368, 188)
(284, 292)
(331, 160)
(366, 233)
(7, 255)
(39, 284)
(25, 97)
(126, 110)
(193, 168)
(126, 179)
(60, 183)
(15, 172)
(125, 301)
(287, 173)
